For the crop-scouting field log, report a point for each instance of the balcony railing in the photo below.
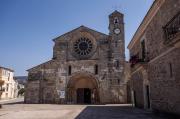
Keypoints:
(135, 59)
(172, 28)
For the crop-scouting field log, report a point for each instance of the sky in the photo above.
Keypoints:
(27, 27)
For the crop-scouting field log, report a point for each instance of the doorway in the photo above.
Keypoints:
(84, 96)
(148, 96)
(82, 88)
(134, 102)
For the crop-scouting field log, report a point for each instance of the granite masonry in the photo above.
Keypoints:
(155, 58)
(87, 67)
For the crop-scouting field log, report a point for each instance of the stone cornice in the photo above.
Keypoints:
(147, 19)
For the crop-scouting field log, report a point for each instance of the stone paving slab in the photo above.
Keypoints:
(52, 111)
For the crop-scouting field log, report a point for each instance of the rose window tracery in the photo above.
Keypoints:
(83, 46)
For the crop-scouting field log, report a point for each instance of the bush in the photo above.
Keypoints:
(21, 91)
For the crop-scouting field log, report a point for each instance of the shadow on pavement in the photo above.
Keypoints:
(117, 112)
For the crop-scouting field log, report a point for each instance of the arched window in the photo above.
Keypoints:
(116, 20)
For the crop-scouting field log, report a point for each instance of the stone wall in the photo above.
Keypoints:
(165, 86)
(63, 49)
(155, 36)
(137, 87)
(32, 92)
(67, 66)
(163, 66)
(118, 94)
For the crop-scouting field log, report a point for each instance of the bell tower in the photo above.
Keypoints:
(117, 47)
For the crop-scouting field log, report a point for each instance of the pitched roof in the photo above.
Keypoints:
(115, 13)
(7, 69)
(81, 27)
(39, 65)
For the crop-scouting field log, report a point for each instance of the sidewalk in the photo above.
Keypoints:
(14, 100)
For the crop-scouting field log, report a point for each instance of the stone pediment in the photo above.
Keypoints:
(42, 66)
(78, 30)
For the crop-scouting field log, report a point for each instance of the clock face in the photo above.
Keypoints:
(117, 31)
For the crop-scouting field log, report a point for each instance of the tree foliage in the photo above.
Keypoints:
(21, 91)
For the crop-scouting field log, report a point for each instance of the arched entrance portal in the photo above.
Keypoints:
(82, 88)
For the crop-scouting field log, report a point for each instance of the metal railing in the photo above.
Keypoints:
(172, 28)
(135, 59)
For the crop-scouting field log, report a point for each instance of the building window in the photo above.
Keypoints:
(117, 64)
(116, 20)
(96, 69)
(7, 87)
(118, 81)
(8, 76)
(143, 50)
(4, 73)
(69, 70)
(172, 28)
(116, 43)
(170, 70)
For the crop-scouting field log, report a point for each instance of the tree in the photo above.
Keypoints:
(21, 91)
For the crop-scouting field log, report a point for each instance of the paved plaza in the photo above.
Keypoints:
(53, 111)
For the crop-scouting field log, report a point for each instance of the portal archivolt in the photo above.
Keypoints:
(82, 89)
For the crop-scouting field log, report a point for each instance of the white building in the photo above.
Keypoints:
(10, 86)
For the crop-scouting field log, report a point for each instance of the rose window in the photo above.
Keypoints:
(83, 46)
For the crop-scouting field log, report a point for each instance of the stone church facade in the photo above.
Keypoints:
(87, 67)
(155, 58)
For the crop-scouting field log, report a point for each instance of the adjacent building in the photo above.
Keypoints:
(87, 67)
(155, 58)
(9, 88)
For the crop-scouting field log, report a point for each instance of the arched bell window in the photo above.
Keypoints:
(116, 20)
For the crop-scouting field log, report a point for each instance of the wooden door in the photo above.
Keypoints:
(80, 95)
(87, 96)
